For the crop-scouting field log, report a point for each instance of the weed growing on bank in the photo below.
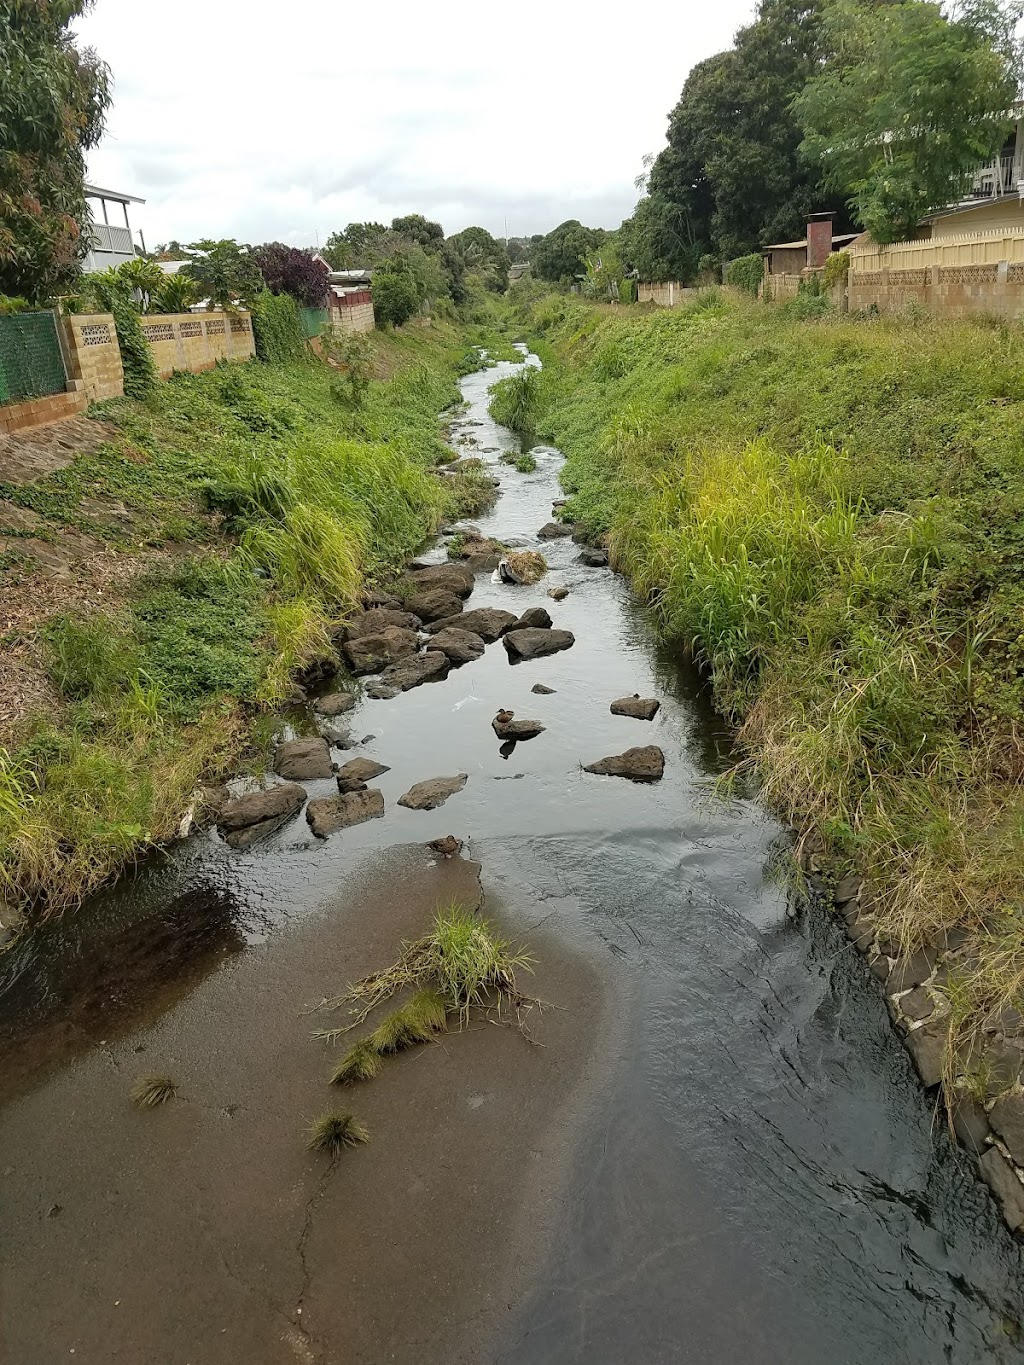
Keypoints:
(827, 512)
(286, 502)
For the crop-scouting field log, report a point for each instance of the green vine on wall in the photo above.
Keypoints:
(277, 328)
(745, 272)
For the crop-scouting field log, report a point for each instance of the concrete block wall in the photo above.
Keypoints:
(994, 288)
(38, 411)
(196, 341)
(667, 293)
(354, 313)
(92, 355)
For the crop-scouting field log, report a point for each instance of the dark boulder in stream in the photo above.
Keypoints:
(594, 558)
(371, 653)
(640, 708)
(558, 594)
(454, 578)
(354, 775)
(381, 618)
(434, 792)
(247, 819)
(334, 704)
(332, 813)
(487, 622)
(534, 618)
(434, 604)
(461, 646)
(542, 690)
(554, 530)
(408, 673)
(534, 643)
(644, 764)
(303, 760)
(505, 726)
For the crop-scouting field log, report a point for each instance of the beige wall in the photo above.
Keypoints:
(993, 214)
(39, 411)
(954, 274)
(196, 341)
(779, 288)
(357, 317)
(667, 294)
(92, 355)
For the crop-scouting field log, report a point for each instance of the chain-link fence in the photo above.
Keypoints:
(31, 363)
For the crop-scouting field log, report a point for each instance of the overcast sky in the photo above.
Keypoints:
(241, 118)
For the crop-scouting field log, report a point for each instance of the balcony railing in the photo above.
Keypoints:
(117, 240)
(999, 177)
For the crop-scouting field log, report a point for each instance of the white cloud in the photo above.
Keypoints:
(263, 121)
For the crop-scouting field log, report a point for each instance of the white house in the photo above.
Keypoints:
(110, 232)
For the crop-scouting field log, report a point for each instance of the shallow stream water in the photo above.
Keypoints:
(759, 1176)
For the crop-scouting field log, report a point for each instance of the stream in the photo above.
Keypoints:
(721, 1153)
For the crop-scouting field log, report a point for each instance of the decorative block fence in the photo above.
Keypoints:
(94, 359)
(978, 272)
(668, 294)
(196, 341)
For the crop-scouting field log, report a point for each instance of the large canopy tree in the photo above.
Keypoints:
(562, 253)
(910, 101)
(53, 100)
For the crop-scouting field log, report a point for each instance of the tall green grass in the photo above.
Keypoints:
(516, 400)
(827, 513)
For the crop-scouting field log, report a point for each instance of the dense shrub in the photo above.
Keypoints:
(277, 328)
(289, 270)
(746, 273)
(395, 298)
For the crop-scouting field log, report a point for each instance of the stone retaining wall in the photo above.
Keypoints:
(986, 1116)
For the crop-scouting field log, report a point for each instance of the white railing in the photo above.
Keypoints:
(106, 237)
(999, 177)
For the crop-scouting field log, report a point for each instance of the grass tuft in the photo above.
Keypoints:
(360, 1063)
(332, 1133)
(150, 1091)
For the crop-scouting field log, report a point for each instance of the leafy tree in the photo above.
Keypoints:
(517, 250)
(426, 234)
(351, 248)
(910, 102)
(395, 299)
(144, 277)
(561, 254)
(483, 255)
(223, 270)
(659, 241)
(289, 270)
(53, 100)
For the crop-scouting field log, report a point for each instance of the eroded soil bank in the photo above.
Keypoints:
(720, 1152)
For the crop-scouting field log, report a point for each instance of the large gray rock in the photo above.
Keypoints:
(382, 618)
(357, 772)
(371, 653)
(461, 646)
(408, 673)
(594, 558)
(927, 1046)
(1004, 1183)
(970, 1125)
(334, 704)
(533, 643)
(505, 726)
(433, 793)
(484, 562)
(640, 708)
(454, 578)
(434, 604)
(559, 593)
(332, 813)
(534, 618)
(911, 971)
(303, 760)
(247, 819)
(487, 622)
(554, 530)
(542, 690)
(645, 764)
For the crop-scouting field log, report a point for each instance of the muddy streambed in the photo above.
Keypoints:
(718, 1152)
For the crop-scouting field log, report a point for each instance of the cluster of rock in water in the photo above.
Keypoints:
(990, 1128)
(398, 643)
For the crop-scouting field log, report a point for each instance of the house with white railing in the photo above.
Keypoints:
(111, 238)
(994, 196)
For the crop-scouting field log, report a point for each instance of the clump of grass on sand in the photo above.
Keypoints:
(150, 1091)
(529, 566)
(360, 1063)
(414, 1022)
(332, 1133)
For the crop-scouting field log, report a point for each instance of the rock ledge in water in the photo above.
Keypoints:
(644, 764)
(533, 643)
(332, 813)
(303, 760)
(506, 727)
(432, 793)
(640, 708)
(354, 775)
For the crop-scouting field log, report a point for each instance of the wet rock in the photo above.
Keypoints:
(478, 545)
(911, 971)
(640, 708)
(304, 759)
(505, 726)
(917, 1004)
(461, 646)
(558, 594)
(643, 764)
(534, 644)
(534, 618)
(554, 530)
(542, 690)
(371, 653)
(355, 774)
(463, 528)
(1007, 1118)
(247, 819)
(594, 558)
(1004, 1183)
(296, 695)
(433, 793)
(332, 813)
(879, 967)
(482, 563)
(337, 738)
(861, 933)
(487, 622)
(1001, 1065)
(847, 889)
(434, 604)
(453, 578)
(334, 704)
(409, 673)
(382, 618)
(372, 600)
(970, 1125)
(927, 1046)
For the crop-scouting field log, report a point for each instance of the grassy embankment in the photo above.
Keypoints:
(279, 490)
(830, 513)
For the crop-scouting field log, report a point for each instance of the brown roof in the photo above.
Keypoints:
(794, 246)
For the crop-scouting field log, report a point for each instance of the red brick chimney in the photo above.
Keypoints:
(819, 239)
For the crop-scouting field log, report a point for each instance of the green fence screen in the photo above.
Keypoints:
(314, 320)
(31, 364)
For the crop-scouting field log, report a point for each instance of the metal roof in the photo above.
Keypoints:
(794, 246)
(94, 192)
